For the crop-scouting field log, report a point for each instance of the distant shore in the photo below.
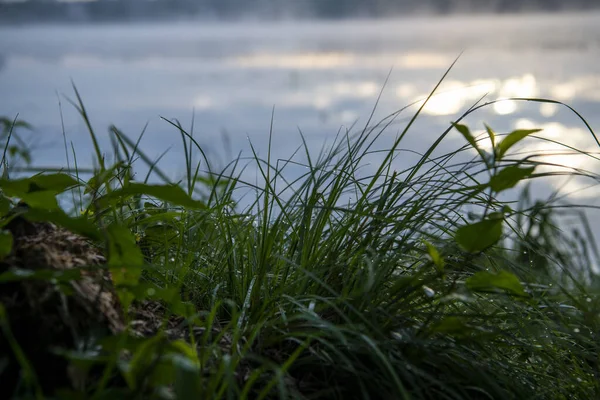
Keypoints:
(85, 12)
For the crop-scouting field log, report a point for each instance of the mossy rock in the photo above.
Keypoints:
(45, 315)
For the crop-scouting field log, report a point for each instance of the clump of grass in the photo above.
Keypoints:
(417, 283)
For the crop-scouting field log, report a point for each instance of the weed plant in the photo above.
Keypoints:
(419, 283)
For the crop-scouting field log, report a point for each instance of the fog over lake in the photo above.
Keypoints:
(317, 76)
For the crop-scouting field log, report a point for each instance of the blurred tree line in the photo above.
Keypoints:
(123, 10)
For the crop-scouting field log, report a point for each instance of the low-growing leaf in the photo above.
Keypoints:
(123, 250)
(210, 180)
(160, 234)
(4, 205)
(45, 200)
(170, 296)
(437, 260)
(464, 130)
(479, 236)
(104, 176)
(491, 134)
(39, 191)
(508, 177)
(168, 216)
(169, 193)
(504, 280)
(143, 358)
(125, 258)
(452, 326)
(155, 360)
(81, 225)
(6, 243)
(513, 138)
(186, 350)
(187, 378)
(56, 183)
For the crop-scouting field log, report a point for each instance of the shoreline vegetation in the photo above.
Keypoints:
(99, 11)
(419, 283)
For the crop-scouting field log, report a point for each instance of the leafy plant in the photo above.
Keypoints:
(337, 283)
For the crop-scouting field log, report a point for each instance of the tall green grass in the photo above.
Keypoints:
(420, 283)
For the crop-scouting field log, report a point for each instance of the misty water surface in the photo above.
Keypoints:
(317, 76)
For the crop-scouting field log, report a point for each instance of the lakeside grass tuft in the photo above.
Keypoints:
(420, 283)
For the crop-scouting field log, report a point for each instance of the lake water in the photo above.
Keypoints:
(318, 76)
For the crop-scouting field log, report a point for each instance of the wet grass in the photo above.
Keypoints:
(419, 283)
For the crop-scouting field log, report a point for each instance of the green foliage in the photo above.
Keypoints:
(504, 280)
(6, 243)
(508, 177)
(435, 256)
(512, 139)
(417, 283)
(476, 237)
(77, 224)
(479, 236)
(170, 193)
(466, 132)
(39, 191)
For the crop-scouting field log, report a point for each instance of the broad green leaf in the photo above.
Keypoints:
(156, 361)
(81, 358)
(168, 216)
(125, 259)
(6, 243)
(483, 281)
(163, 372)
(4, 205)
(187, 378)
(464, 130)
(39, 191)
(479, 236)
(160, 234)
(80, 225)
(169, 296)
(143, 358)
(102, 177)
(437, 260)
(491, 134)
(508, 177)
(56, 183)
(17, 187)
(123, 248)
(169, 193)
(452, 326)
(210, 180)
(512, 139)
(45, 200)
(186, 350)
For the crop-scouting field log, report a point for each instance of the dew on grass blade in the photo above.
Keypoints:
(429, 292)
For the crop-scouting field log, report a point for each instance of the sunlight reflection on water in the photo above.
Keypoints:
(318, 76)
